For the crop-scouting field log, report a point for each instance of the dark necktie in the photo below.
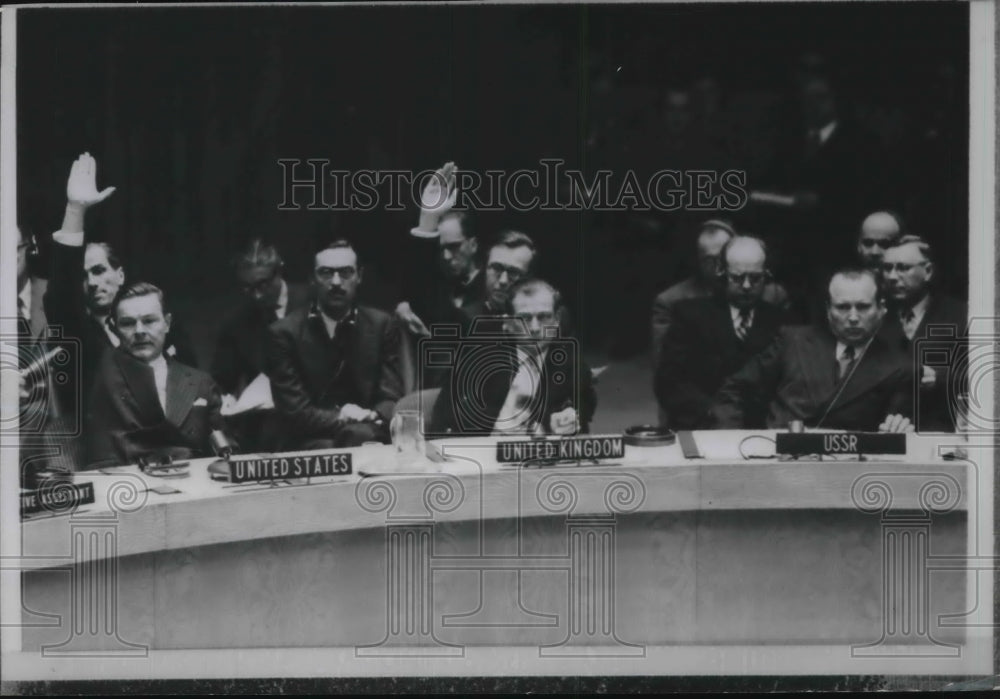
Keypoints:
(743, 326)
(907, 318)
(845, 363)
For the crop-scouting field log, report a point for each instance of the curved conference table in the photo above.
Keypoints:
(655, 549)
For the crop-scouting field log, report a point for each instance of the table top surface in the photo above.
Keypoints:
(738, 471)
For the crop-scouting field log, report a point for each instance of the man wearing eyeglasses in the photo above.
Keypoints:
(534, 383)
(919, 313)
(711, 338)
(239, 353)
(838, 375)
(335, 367)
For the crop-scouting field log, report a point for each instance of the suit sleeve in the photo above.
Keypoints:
(290, 396)
(675, 391)
(901, 397)
(390, 387)
(103, 439)
(588, 398)
(756, 381)
(63, 300)
(661, 319)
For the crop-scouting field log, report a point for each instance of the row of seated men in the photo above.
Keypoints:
(337, 369)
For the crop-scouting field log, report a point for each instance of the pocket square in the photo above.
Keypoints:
(200, 402)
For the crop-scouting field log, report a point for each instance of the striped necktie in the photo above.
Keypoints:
(743, 326)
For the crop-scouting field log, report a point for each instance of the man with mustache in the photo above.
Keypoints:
(839, 375)
(146, 404)
(335, 366)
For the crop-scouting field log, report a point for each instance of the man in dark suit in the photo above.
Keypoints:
(530, 380)
(145, 403)
(712, 338)
(334, 367)
(841, 375)
(86, 316)
(239, 352)
(923, 323)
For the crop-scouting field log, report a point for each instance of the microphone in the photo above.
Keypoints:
(220, 445)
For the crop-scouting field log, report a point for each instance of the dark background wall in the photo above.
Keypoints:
(187, 111)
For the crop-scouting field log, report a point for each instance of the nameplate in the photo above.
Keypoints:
(58, 498)
(557, 449)
(840, 443)
(279, 468)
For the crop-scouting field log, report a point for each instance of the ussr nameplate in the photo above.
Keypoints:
(280, 468)
(559, 449)
(839, 443)
(57, 499)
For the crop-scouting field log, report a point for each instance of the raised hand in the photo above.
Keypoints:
(438, 198)
(81, 188)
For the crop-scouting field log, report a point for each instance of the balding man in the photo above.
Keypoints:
(929, 326)
(840, 374)
(714, 234)
(879, 231)
(711, 338)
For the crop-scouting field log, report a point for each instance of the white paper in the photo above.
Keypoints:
(256, 396)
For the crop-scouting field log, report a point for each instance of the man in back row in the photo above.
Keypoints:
(711, 338)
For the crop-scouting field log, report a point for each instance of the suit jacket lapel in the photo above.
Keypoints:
(818, 358)
(182, 390)
(364, 353)
(871, 369)
(138, 378)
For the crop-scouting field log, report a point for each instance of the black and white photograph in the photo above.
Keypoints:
(566, 347)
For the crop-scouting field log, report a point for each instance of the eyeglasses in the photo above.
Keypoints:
(900, 267)
(872, 242)
(754, 278)
(258, 287)
(513, 273)
(327, 274)
(544, 318)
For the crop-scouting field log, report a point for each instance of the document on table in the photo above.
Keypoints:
(256, 396)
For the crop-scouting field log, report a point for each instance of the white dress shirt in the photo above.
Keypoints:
(827, 131)
(734, 312)
(859, 352)
(330, 323)
(159, 367)
(514, 416)
(919, 310)
(282, 306)
(456, 299)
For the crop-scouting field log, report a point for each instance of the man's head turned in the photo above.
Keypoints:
(878, 232)
(336, 277)
(907, 269)
(141, 321)
(510, 260)
(457, 244)
(855, 306)
(744, 269)
(714, 235)
(22, 258)
(103, 276)
(259, 270)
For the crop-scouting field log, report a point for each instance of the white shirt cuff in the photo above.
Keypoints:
(72, 239)
(420, 233)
